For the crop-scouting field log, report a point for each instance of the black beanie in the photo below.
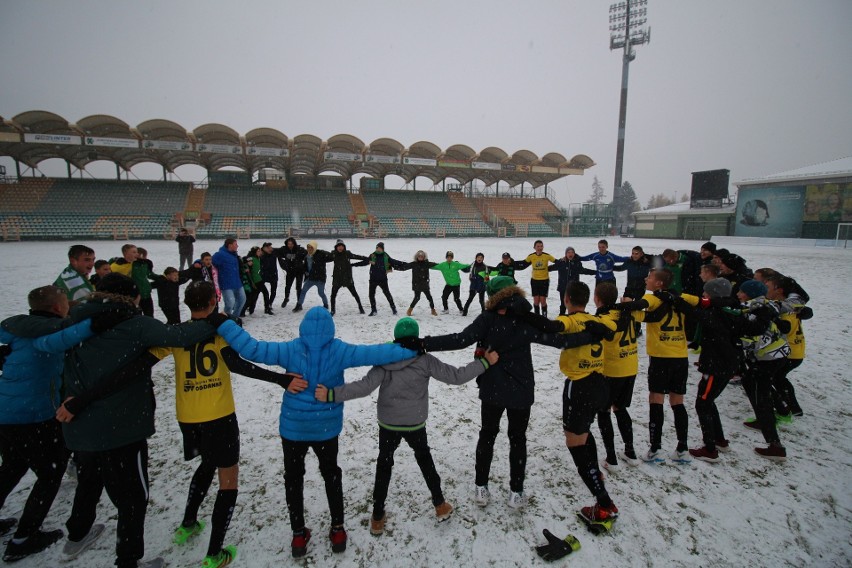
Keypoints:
(119, 284)
(709, 246)
(380, 245)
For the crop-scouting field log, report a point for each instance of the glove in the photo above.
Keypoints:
(726, 302)
(216, 319)
(805, 313)
(108, 319)
(599, 330)
(783, 326)
(665, 296)
(412, 343)
(557, 548)
(479, 352)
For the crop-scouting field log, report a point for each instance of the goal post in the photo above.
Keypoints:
(844, 233)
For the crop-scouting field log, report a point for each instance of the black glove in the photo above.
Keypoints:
(784, 326)
(805, 313)
(412, 343)
(479, 351)
(599, 330)
(763, 313)
(284, 379)
(665, 296)
(726, 302)
(108, 319)
(216, 319)
(556, 548)
(5, 350)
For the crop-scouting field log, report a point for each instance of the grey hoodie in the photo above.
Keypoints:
(404, 393)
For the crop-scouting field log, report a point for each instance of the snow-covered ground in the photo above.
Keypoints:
(744, 511)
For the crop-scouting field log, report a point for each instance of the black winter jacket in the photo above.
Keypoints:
(569, 271)
(419, 273)
(269, 267)
(292, 261)
(511, 382)
(342, 273)
(126, 416)
(318, 261)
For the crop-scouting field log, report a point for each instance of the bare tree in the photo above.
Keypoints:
(597, 192)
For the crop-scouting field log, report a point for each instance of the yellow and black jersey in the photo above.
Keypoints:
(202, 380)
(796, 336)
(621, 354)
(666, 338)
(121, 268)
(539, 263)
(580, 362)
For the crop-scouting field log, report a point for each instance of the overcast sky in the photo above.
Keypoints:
(757, 87)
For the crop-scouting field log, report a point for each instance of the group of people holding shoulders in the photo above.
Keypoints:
(81, 381)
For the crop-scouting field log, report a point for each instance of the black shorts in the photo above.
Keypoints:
(216, 441)
(581, 402)
(621, 391)
(539, 287)
(668, 375)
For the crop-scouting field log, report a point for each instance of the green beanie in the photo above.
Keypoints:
(498, 283)
(406, 327)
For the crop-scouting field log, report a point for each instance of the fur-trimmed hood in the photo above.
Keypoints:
(107, 298)
(510, 296)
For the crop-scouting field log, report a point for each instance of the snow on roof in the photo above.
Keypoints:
(841, 167)
(683, 207)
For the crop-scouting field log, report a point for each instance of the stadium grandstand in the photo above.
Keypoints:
(266, 184)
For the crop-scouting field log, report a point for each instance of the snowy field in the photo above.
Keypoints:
(744, 511)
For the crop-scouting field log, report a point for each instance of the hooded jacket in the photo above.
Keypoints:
(315, 263)
(292, 261)
(569, 271)
(342, 273)
(510, 383)
(419, 272)
(31, 382)
(404, 392)
(127, 415)
(228, 269)
(321, 359)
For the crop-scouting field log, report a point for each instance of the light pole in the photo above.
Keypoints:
(626, 29)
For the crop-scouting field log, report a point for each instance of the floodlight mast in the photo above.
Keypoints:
(626, 27)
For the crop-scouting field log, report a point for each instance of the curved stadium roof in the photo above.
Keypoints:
(34, 136)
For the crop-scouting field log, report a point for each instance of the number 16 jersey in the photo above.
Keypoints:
(202, 380)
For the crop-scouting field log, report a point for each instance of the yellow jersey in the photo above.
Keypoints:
(123, 268)
(202, 381)
(579, 362)
(667, 338)
(621, 353)
(539, 263)
(796, 337)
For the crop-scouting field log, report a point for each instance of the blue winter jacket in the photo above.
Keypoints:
(31, 382)
(227, 264)
(320, 359)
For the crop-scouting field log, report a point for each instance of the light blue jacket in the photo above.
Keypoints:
(31, 382)
(320, 359)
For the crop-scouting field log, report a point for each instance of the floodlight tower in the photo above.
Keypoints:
(626, 29)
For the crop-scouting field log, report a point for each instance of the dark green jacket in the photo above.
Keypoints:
(127, 415)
